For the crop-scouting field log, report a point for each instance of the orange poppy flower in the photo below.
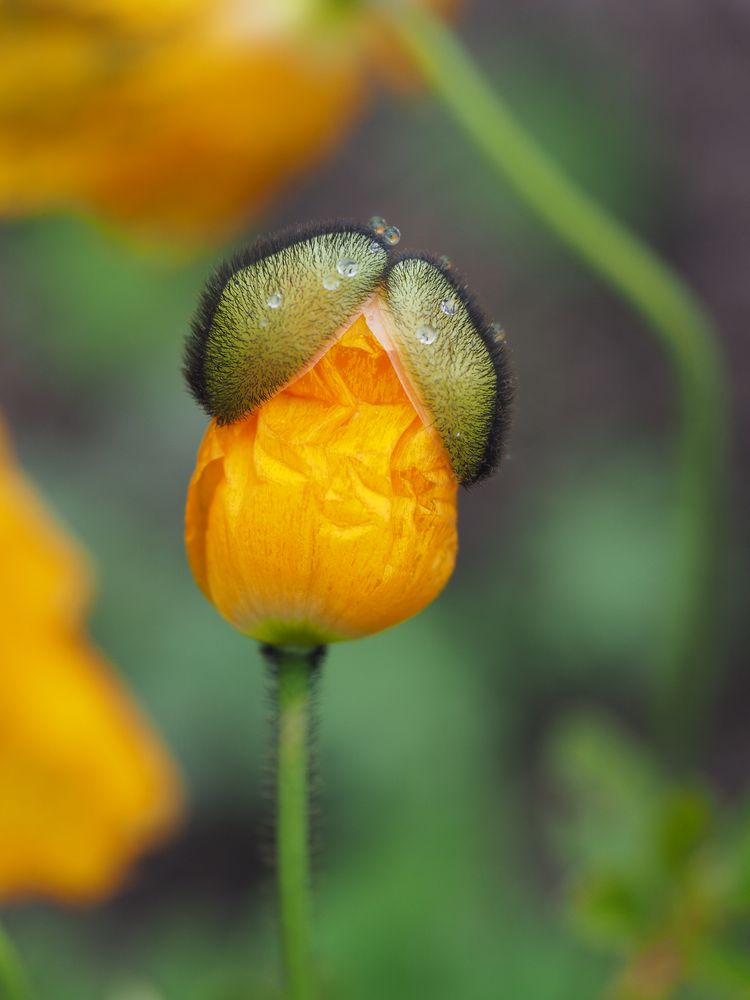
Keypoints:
(328, 513)
(351, 393)
(177, 119)
(85, 786)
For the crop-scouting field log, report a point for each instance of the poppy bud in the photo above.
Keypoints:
(350, 396)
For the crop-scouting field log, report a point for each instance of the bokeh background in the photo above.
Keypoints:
(493, 817)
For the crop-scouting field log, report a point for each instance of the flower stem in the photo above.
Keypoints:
(12, 980)
(687, 659)
(294, 671)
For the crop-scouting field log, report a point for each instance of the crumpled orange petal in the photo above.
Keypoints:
(85, 786)
(330, 512)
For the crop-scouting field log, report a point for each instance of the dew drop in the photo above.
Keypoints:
(331, 282)
(263, 321)
(274, 300)
(375, 246)
(347, 268)
(378, 224)
(449, 307)
(458, 434)
(425, 334)
(445, 262)
(497, 331)
(392, 235)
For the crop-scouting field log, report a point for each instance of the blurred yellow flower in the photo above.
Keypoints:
(177, 118)
(84, 784)
(327, 513)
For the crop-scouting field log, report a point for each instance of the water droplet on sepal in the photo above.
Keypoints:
(347, 267)
(426, 334)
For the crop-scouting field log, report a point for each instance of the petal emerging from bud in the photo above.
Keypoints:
(327, 513)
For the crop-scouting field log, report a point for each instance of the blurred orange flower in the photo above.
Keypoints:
(84, 785)
(177, 118)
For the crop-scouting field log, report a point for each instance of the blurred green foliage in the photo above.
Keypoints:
(659, 871)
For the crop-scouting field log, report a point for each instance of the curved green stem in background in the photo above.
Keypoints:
(12, 980)
(689, 656)
(294, 672)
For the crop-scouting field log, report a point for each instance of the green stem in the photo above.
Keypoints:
(12, 980)
(295, 673)
(688, 657)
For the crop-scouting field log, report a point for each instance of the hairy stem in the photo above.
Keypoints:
(294, 672)
(687, 660)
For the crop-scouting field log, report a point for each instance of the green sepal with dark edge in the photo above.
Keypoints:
(456, 362)
(270, 311)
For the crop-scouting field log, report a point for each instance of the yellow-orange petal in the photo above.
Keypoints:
(158, 171)
(43, 576)
(85, 785)
(179, 134)
(177, 119)
(330, 512)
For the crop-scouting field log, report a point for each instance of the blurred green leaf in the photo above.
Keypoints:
(612, 790)
(653, 867)
(684, 825)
